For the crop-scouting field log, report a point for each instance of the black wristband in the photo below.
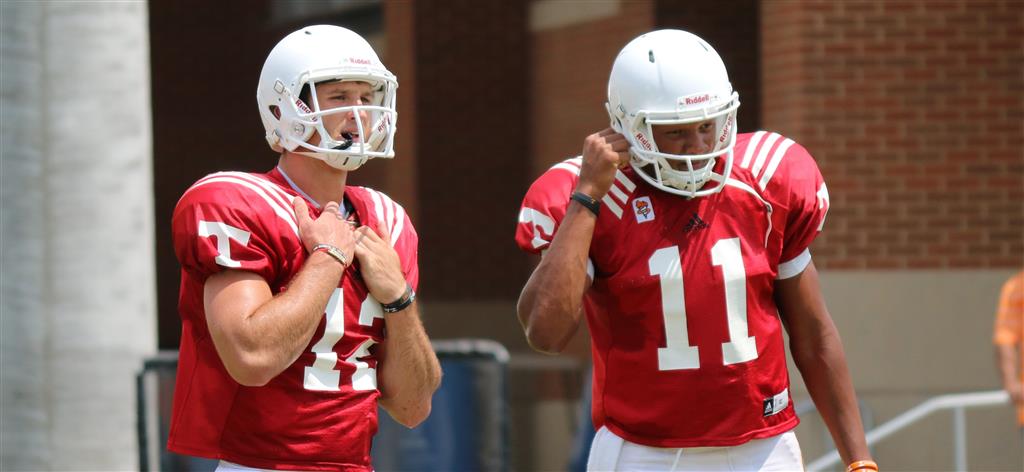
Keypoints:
(587, 201)
(402, 303)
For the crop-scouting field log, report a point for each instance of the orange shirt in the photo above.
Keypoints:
(1009, 329)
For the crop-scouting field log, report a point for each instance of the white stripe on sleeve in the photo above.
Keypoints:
(614, 207)
(795, 266)
(378, 206)
(751, 147)
(389, 212)
(399, 224)
(569, 167)
(773, 164)
(762, 154)
(285, 214)
(630, 186)
(273, 189)
(614, 190)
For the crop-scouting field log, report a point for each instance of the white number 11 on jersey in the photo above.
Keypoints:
(678, 354)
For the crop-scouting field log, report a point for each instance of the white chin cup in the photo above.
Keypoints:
(684, 180)
(337, 160)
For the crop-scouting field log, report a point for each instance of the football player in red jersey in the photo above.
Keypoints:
(686, 246)
(298, 292)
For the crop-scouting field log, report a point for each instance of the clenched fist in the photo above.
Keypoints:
(603, 153)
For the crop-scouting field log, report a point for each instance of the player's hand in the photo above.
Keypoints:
(378, 261)
(328, 228)
(603, 153)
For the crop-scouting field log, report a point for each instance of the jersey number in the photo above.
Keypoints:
(678, 354)
(323, 374)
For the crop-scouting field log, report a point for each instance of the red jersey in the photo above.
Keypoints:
(686, 338)
(320, 413)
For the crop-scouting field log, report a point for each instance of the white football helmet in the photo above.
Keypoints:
(669, 77)
(317, 54)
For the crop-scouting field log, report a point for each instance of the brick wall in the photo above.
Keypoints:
(570, 81)
(915, 113)
(471, 140)
(733, 29)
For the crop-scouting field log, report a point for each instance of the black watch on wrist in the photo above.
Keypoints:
(402, 303)
(587, 201)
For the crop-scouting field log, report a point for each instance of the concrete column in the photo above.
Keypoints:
(77, 293)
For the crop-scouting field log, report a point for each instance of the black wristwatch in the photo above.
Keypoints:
(587, 201)
(402, 303)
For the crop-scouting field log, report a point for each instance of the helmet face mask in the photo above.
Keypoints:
(317, 55)
(672, 77)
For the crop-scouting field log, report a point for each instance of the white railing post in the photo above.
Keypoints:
(960, 439)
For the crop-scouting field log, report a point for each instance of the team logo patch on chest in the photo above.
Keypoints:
(643, 209)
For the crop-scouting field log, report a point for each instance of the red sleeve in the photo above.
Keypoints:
(544, 206)
(379, 207)
(796, 189)
(230, 222)
(407, 247)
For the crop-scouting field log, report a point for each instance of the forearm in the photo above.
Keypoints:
(410, 373)
(270, 338)
(550, 305)
(823, 366)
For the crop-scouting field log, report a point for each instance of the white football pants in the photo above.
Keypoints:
(225, 466)
(611, 453)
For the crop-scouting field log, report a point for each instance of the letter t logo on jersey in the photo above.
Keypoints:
(223, 232)
(643, 209)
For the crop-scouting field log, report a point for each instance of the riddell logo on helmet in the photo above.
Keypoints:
(383, 124)
(726, 129)
(643, 141)
(695, 99)
(356, 60)
(302, 106)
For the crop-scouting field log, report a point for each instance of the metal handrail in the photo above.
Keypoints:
(805, 408)
(956, 402)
